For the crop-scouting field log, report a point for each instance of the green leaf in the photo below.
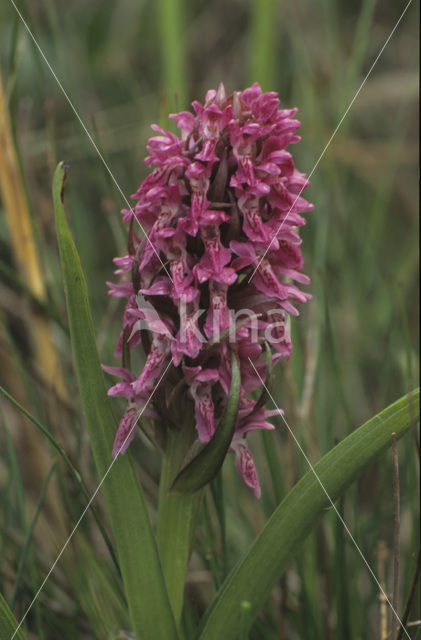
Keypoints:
(99, 593)
(204, 467)
(147, 597)
(258, 571)
(8, 623)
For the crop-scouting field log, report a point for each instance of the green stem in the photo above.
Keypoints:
(173, 59)
(177, 517)
(264, 30)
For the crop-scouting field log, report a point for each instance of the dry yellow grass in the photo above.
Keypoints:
(12, 193)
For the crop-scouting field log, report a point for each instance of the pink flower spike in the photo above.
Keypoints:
(221, 271)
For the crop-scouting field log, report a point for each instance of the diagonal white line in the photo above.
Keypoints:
(95, 146)
(331, 501)
(89, 503)
(332, 136)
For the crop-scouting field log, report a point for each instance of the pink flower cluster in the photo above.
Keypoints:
(223, 199)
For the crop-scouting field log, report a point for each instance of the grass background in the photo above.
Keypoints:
(126, 65)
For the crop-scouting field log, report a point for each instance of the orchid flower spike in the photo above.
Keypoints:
(221, 267)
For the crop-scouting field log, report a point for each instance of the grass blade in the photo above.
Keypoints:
(25, 550)
(264, 32)
(254, 576)
(8, 623)
(22, 238)
(147, 597)
(74, 472)
(170, 15)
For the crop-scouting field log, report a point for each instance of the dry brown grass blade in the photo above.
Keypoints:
(24, 248)
(381, 564)
(396, 538)
(12, 194)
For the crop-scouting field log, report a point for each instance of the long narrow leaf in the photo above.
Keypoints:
(29, 534)
(255, 575)
(139, 561)
(8, 623)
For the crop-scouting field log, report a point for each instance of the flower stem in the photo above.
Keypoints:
(170, 16)
(177, 518)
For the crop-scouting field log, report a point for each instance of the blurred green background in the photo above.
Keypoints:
(126, 65)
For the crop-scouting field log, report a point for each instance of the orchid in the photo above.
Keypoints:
(221, 208)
